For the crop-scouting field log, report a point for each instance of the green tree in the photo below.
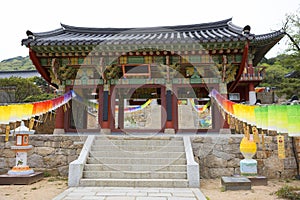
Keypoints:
(292, 29)
(18, 90)
(22, 88)
(292, 60)
(276, 77)
(288, 63)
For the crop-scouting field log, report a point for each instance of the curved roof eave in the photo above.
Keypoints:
(263, 43)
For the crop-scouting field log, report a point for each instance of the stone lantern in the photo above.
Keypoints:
(21, 173)
(21, 148)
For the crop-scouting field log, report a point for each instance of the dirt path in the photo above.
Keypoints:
(47, 188)
(50, 187)
(212, 189)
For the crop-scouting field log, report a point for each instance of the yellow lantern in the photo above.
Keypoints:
(248, 148)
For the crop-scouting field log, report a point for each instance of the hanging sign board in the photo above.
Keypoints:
(280, 145)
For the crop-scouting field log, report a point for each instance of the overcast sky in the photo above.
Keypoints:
(17, 16)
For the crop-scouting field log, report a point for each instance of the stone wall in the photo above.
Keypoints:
(51, 154)
(220, 156)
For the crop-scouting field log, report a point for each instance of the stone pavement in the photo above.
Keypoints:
(130, 193)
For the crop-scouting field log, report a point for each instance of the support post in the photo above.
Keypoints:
(105, 127)
(169, 110)
(59, 121)
(121, 112)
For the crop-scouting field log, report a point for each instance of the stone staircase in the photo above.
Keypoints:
(129, 161)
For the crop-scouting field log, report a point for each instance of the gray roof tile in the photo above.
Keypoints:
(207, 32)
(220, 31)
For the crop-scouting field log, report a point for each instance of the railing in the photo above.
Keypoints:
(253, 74)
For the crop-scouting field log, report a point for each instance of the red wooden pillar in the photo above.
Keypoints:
(218, 121)
(121, 112)
(175, 112)
(169, 107)
(105, 110)
(59, 121)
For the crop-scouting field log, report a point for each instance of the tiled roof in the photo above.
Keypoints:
(206, 33)
(22, 74)
(221, 31)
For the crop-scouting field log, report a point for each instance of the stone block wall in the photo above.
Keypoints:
(51, 154)
(220, 156)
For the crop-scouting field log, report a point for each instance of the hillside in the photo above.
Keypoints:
(16, 63)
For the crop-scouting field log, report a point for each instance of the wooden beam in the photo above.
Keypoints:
(38, 66)
(241, 69)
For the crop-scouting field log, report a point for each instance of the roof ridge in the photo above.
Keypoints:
(179, 28)
(109, 30)
(49, 33)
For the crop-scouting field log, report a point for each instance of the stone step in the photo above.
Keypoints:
(136, 161)
(139, 136)
(146, 148)
(131, 154)
(139, 142)
(130, 167)
(171, 183)
(133, 175)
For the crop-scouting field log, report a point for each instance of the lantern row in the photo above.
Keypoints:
(279, 118)
(18, 112)
(94, 105)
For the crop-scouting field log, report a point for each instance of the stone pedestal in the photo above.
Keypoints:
(248, 167)
(58, 131)
(105, 131)
(21, 167)
(235, 183)
(258, 180)
(170, 131)
(6, 179)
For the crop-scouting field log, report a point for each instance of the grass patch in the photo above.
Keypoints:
(34, 188)
(289, 192)
(47, 174)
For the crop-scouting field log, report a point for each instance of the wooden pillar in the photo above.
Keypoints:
(121, 112)
(106, 110)
(168, 102)
(219, 124)
(169, 109)
(218, 121)
(59, 121)
(175, 112)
